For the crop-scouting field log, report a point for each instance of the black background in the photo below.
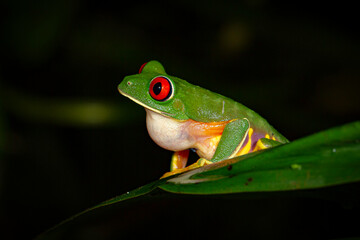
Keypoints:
(295, 64)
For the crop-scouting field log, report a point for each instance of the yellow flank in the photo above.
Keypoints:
(247, 147)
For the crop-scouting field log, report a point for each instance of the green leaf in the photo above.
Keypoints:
(324, 159)
(328, 158)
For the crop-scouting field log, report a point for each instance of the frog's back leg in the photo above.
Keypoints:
(232, 139)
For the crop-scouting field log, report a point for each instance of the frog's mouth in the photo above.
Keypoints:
(142, 104)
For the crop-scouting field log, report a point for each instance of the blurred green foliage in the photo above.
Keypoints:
(68, 130)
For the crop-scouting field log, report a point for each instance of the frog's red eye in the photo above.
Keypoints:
(160, 89)
(142, 67)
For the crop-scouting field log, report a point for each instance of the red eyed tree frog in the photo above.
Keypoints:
(181, 116)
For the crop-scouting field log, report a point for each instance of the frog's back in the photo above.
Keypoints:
(212, 107)
(260, 126)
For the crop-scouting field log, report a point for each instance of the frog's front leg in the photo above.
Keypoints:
(179, 160)
(178, 163)
(199, 163)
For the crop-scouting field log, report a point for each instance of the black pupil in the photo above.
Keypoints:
(157, 88)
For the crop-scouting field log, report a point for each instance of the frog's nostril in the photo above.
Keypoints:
(129, 83)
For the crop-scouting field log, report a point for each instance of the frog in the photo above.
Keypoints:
(182, 117)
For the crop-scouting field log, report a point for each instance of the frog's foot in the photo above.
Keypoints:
(199, 163)
(264, 143)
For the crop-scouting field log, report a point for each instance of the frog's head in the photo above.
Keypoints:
(153, 89)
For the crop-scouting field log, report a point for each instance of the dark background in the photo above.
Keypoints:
(69, 140)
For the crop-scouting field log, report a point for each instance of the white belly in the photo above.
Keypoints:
(168, 133)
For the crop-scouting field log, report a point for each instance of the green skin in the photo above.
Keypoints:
(193, 102)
